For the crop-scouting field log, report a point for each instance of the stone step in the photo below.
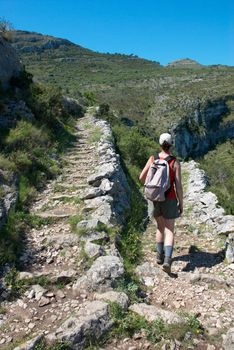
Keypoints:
(77, 177)
(68, 185)
(78, 163)
(73, 153)
(59, 212)
(62, 196)
(78, 169)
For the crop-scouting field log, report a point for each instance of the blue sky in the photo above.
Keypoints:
(160, 30)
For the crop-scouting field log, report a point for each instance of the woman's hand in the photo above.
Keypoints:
(181, 209)
(144, 172)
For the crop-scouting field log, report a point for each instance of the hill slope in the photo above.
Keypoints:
(140, 89)
(193, 102)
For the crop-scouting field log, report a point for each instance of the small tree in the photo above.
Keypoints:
(5, 28)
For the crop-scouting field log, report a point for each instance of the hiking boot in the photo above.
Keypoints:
(160, 258)
(167, 264)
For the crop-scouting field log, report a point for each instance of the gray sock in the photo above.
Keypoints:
(168, 249)
(160, 247)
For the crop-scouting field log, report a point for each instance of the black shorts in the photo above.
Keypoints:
(168, 209)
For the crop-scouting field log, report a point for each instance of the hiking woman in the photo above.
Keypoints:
(167, 211)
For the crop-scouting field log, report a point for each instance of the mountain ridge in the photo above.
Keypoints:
(58, 41)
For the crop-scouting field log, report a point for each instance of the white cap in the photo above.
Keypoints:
(165, 138)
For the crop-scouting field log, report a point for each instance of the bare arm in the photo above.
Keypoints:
(178, 184)
(144, 172)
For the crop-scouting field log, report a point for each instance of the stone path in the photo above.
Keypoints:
(52, 251)
(58, 258)
(201, 282)
(70, 269)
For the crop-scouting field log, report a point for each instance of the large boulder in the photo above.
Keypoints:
(30, 344)
(152, 313)
(104, 270)
(10, 65)
(91, 322)
(228, 341)
(115, 297)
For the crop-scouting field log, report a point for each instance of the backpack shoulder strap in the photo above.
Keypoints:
(169, 159)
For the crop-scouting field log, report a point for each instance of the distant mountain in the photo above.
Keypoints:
(30, 42)
(185, 63)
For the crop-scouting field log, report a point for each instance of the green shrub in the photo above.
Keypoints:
(135, 148)
(32, 149)
(90, 97)
(129, 284)
(73, 221)
(26, 136)
(22, 81)
(128, 323)
(18, 287)
(6, 164)
(11, 238)
(104, 110)
(26, 192)
(219, 166)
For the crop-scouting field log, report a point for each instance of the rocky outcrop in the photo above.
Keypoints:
(10, 65)
(9, 195)
(12, 112)
(115, 297)
(73, 106)
(30, 42)
(201, 130)
(206, 209)
(228, 342)
(30, 344)
(104, 270)
(152, 313)
(91, 322)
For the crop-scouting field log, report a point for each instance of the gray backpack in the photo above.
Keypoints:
(157, 181)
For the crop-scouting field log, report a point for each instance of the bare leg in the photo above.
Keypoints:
(160, 229)
(169, 232)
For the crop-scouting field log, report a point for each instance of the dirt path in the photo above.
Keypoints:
(201, 283)
(53, 255)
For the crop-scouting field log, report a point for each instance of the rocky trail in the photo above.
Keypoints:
(201, 282)
(71, 259)
(54, 257)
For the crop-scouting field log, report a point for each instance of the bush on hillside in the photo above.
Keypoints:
(26, 136)
(134, 147)
(90, 97)
(5, 29)
(22, 81)
(219, 166)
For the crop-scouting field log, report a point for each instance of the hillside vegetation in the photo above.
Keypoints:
(136, 88)
(141, 92)
(219, 165)
(30, 150)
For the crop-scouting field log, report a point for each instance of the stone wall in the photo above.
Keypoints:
(108, 190)
(206, 209)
